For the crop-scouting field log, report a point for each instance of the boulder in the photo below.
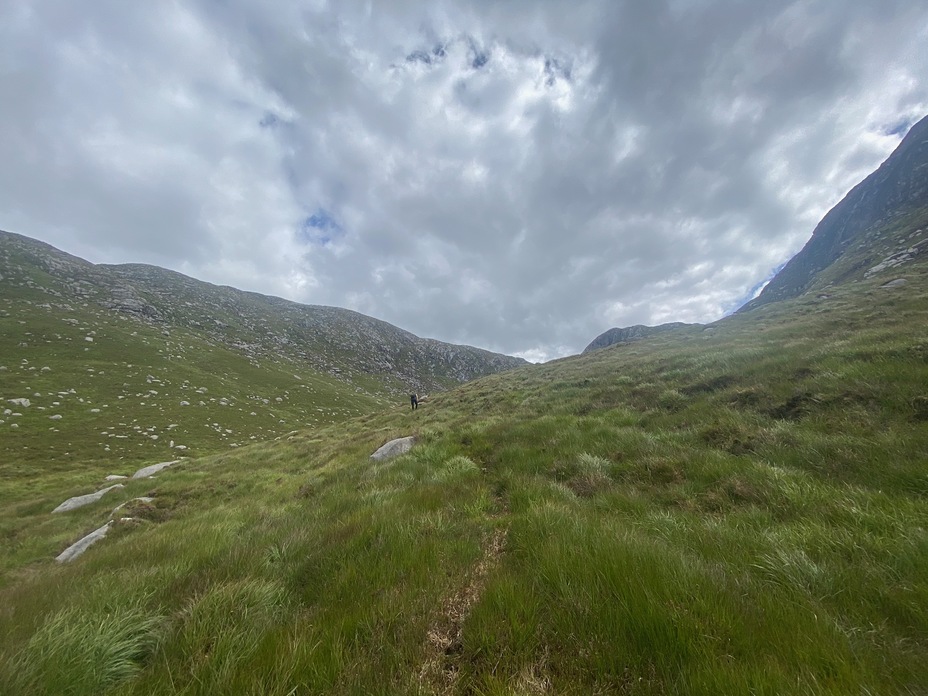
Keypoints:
(394, 448)
(147, 471)
(82, 500)
(78, 547)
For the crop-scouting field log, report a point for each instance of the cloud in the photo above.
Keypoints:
(509, 175)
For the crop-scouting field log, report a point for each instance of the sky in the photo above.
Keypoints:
(518, 176)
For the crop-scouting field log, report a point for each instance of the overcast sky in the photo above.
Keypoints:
(517, 175)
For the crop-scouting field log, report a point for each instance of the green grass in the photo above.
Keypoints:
(739, 510)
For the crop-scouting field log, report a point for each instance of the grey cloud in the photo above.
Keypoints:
(518, 175)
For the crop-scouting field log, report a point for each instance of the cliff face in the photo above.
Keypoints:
(899, 188)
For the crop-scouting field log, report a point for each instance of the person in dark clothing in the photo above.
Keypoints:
(414, 401)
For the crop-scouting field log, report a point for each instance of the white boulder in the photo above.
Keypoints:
(82, 500)
(77, 548)
(147, 471)
(394, 448)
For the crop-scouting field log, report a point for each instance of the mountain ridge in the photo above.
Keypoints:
(332, 339)
(898, 188)
(632, 333)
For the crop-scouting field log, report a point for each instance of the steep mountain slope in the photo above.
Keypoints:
(632, 333)
(131, 362)
(879, 225)
(742, 510)
(328, 338)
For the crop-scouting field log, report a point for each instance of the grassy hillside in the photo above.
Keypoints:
(362, 353)
(123, 389)
(740, 509)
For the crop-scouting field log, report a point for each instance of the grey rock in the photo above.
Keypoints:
(115, 477)
(394, 448)
(82, 500)
(632, 333)
(147, 471)
(20, 402)
(78, 547)
(897, 283)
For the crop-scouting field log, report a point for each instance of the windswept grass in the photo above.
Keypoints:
(738, 510)
(86, 651)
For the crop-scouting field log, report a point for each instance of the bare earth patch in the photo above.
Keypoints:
(439, 672)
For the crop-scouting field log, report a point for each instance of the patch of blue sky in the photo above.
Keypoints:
(753, 292)
(428, 58)
(269, 120)
(900, 127)
(320, 228)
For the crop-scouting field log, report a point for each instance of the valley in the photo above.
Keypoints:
(734, 508)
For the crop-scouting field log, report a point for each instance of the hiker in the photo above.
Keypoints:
(414, 401)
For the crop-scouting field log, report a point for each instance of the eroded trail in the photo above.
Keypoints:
(439, 672)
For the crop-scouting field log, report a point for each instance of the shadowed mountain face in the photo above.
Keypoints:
(875, 227)
(631, 333)
(338, 342)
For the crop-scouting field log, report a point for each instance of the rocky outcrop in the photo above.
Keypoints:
(82, 500)
(631, 333)
(78, 547)
(152, 469)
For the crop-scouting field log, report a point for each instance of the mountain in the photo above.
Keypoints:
(727, 512)
(741, 510)
(137, 360)
(880, 225)
(632, 333)
(330, 339)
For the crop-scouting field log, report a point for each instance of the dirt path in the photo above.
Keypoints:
(439, 672)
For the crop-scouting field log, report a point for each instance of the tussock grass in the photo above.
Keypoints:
(741, 510)
(87, 651)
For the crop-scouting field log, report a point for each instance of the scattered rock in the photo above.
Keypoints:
(147, 471)
(55, 417)
(897, 283)
(394, 448)
(78, 548)
(82, 500)
(115, 477)
(184, 403)
(20, 402)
